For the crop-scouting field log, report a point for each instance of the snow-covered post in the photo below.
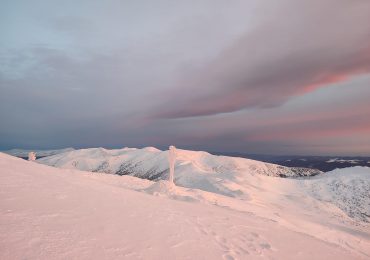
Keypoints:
(171, 160)
(31, 156)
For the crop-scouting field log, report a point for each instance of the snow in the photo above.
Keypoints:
(194, 169)
(51, 213)
(151, 149)
(348, 189)
(342, 161)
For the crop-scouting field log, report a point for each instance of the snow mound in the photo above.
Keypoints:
(168, 189)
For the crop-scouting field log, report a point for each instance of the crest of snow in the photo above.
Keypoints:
(151, 149)
(128, 149)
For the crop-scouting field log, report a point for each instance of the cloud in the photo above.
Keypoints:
(328, 121)
(295, 48)
(210, 75)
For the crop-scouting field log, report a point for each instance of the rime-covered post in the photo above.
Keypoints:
(171, 160)
(31, 156)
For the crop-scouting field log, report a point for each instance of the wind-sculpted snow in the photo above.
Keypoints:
(193, 169)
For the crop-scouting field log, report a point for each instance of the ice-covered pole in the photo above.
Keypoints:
(171, 160)
(31, 156)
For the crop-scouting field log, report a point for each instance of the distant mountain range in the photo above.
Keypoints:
(229, 176)
(210, 172)
(322, 163)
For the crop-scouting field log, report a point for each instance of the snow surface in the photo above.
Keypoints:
(50, 213)
(24, 153)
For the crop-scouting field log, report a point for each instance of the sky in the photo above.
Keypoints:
(266, 77)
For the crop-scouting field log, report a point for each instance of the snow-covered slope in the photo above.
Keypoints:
(24, 153)
(50, 213)
(231, 176)
(219, 174)
(348, 189)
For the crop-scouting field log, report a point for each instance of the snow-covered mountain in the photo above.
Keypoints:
(39, 153)
(194, 169)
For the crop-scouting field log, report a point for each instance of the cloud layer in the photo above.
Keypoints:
(279, 77)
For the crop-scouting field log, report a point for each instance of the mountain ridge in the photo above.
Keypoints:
(208, 172)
